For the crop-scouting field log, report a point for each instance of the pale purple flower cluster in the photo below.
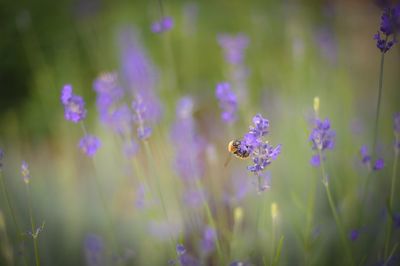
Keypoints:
(189, 149)
(162, 25)
(208, 240)
(189, 146)
(89, 145)
(322, 138)
(227, 102)
(109, 95)
(183, 257)
(139, 75)
(233, 47)
(390, 25)
(261, 152)
(94, 250)
(74, 110)
(366, 159)
(140, 116)
(74, 106)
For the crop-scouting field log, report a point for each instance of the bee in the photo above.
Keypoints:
(235, 148)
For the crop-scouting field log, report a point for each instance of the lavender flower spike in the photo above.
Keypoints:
(163, 25)
(89, 145)
(227, 102)
(261, 152)
(74, 106)
(322, 138)
(390, 24)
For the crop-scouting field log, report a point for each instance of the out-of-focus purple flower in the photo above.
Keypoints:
(233, 47)
(365, 157)
(227, 102)
(396, 220)
(379, 164)
(390, 24)
(315, 160)
(354, 234)
(109, 95)
(89, 145)
(193, 197)
(74, 106)
(326, 43)
(1, 158)
(184, 258)
(26, 175)
(94, 250)
(261, 152)
(139, 74)
(189, 146)
(163, 25)
(239, 263)
(130, 148)
(208, 241)
(140, 114)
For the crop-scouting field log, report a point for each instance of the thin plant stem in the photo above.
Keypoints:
(33, 226)
(99, 190)
(158, 187)
(12, 212)
(378, 105)
(391, 199)
(334, 212)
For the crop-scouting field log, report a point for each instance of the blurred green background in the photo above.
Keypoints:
(297, 50)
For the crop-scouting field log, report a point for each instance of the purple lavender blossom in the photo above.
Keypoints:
(326, 43)
(163, 25)
(89, 145)
(396, 220)
(354, 234)
(208, 241)
(26, 175)
(379, 164)
(184, 258)
(139, 74)
(139, 117)
(189, 146)
(261, 152)
(94, 250)
(74, 106)
(390, 24)
(366, 159)
(130, 148)
(109, 95)
(322, 138)
(227, 102)
(233, 47)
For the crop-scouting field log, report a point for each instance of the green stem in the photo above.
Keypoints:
(310, 216)
(334, 212)
(33, 226)
(392, 190)
(13, 217)
(378, 105)
(150, 159)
